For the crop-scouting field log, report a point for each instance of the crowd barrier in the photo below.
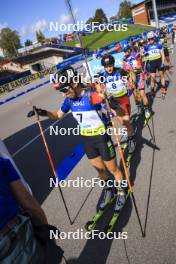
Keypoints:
(14, 77)
(26, 80)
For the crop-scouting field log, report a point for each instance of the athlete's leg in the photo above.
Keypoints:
(168, 60)
(120, 200)
(144, 97)
(152, 82)
(109, 192)
(113, 169)
(163, 82)
(99, 165)
(125, 121)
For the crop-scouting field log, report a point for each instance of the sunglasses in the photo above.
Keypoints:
(64, 89)
(151, 39)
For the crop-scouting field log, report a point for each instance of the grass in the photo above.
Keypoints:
(100, 39)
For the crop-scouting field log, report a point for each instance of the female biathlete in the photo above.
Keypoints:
(97, 143)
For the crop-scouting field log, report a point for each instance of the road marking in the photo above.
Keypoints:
(32, 140)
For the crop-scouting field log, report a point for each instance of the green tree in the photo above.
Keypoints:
(125, 9)
(40, 36)
(9, 42)
(28, 42)
(100, 16)
(90, 20)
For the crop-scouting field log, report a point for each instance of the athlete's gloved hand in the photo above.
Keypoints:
(163, 66)
(40, 112)
(116, 106)
(113, 103)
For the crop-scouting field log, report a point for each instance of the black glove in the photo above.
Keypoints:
(162, 67)
(115, 106)
(40, 112)
(113, 103)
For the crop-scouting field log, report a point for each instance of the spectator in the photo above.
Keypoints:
(18, 242)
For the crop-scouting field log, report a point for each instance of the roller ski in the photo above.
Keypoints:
(131, 145)
(163, 93)
(108, 198)
(148, 115)
(120, 203)
(139, 112)
(128, 149)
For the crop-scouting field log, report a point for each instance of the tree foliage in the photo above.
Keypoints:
(125, 9)
(40, 36)
(28, 42)
(100, 16)
(9, 42)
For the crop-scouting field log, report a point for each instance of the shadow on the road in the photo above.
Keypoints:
(28, 151)
(31, 158)
(97, 250)
(150, 179)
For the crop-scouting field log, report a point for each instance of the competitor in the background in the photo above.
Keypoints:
(163, 40)
(133, 64)
(155, 62)
(115, 81)
(97, 143)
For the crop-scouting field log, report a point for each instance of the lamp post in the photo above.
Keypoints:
(155, 13)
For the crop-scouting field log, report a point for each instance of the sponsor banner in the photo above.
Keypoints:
(96, 67)
(26, 80)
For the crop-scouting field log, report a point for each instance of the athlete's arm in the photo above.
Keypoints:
(52, 115)
(27, 201)
(55, 115)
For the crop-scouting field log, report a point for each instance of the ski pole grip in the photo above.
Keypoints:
(35, 111)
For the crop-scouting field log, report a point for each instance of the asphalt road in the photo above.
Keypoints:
(152, 169)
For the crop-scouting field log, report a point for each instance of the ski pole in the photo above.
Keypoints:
(120, 149)
(51, 160)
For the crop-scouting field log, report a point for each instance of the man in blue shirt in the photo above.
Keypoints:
(16, 232)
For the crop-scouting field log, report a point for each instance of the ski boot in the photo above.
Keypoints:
(131, 144)
(120, 201)
(139, 109)
(163, 92)
(108, 196)
(131, 148)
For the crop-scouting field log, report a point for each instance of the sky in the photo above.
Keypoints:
(29, 16)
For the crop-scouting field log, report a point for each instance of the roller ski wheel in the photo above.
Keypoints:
(114, 220)
(147, 119)
(90, 225)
